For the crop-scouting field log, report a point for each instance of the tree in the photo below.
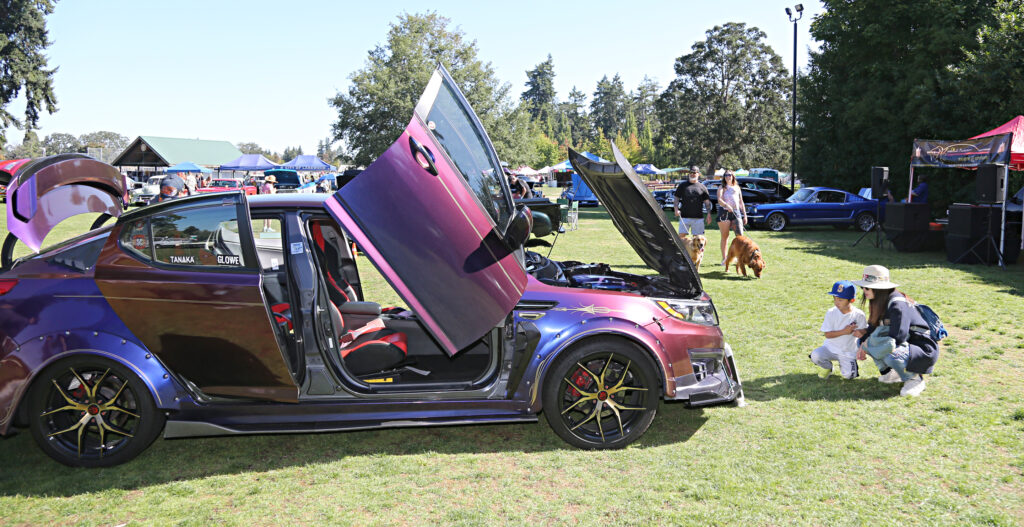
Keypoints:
(727, 102)
(60, 143)
(250, 148)
(23, 38)
(112, 141)
(291, 153)
(540, 95)
(610, 104)
(644, 100)
(29, 147)
(382, 96)
(885, 74)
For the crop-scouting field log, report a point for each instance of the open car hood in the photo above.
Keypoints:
(46, 191)
(431, 214)
(639, 218)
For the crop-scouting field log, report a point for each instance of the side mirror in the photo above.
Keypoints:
(519, 228)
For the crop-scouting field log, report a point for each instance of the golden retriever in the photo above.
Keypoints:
(745, 252)
(695, 244)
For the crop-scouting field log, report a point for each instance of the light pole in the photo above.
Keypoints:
(792, 156)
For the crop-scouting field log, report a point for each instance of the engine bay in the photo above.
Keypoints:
(575, 274)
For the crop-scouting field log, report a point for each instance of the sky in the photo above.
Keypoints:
(261, 71)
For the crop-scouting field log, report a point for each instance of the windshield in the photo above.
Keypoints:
(155, 180)
(454, 128)
(801, 196)
(228, 183)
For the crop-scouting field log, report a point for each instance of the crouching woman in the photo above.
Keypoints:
(913, 352)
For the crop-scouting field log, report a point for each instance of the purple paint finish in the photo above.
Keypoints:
(432, 241)
(47, 191)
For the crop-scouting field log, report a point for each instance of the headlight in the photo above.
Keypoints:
(696, 311)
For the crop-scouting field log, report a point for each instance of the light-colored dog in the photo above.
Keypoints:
(695, 244)
(745, 252)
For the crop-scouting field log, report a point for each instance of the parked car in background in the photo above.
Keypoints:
(223, 184)
(288, 181)
(755, 190)
(145, 193)
(7, 170)
(222, 314)
(665, 198)
(817, 206)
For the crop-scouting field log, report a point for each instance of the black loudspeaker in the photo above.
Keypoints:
(906, 225)
(911, 217)
(879, 181)
(990, 180)
(972, 221)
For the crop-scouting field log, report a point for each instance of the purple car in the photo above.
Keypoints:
(223, 315)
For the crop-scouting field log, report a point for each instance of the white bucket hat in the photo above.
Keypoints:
(875, 277)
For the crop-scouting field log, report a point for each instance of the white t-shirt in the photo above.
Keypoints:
(836, 320)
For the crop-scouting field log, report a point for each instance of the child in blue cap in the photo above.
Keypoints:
(843, 324)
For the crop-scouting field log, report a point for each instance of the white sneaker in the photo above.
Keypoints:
(913, 387)
(890, 378)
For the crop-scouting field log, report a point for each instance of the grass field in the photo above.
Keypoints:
(803, 451)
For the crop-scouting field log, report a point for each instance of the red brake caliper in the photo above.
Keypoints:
(580, 379)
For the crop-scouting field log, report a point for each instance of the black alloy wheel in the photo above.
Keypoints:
(776, 221)
(87, 411)
(865, 221)
(601, 395)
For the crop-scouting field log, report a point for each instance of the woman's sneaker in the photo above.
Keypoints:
(913, 387)
(890, 378)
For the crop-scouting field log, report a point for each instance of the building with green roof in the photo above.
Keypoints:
(148, 154)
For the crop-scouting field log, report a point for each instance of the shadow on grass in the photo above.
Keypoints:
(809, 387)
(28, 472)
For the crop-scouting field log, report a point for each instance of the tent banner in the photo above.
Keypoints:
(965, 153)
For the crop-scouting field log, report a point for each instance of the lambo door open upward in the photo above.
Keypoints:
(431, 214)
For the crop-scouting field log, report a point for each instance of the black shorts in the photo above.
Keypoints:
(737, 224)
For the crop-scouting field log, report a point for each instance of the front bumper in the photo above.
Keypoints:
(714, 380)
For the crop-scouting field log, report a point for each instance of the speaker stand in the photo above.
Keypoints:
(877, 229)
(988, 239)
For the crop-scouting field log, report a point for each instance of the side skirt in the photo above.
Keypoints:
(180, 429)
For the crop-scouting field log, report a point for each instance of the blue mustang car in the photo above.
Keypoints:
(817, 206)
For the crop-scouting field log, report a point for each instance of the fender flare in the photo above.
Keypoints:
(166, 392)
(612, 327)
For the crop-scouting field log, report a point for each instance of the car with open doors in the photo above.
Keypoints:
(223, 314)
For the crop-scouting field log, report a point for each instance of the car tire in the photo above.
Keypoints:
(776, 221)
(593, 417)
(87, 411)
(864, 222)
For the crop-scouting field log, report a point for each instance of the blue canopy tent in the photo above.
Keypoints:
(647, 168)
(187, 166)
(248, 162)
(308, 163)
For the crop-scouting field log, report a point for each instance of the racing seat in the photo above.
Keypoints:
(371, 348)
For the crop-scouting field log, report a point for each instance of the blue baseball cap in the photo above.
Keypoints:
(844, 289)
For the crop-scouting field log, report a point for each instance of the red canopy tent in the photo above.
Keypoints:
(1016, 127)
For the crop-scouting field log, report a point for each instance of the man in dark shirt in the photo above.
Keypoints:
(920, 192)
(692, 200)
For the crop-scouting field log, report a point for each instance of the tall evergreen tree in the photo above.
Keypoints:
(23, 39)
(609, 106)
(727, 102)
(383, 93)
(540, 93)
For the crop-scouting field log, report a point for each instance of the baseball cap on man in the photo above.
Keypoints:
(173, 181)
(844, 289)
(695, 168)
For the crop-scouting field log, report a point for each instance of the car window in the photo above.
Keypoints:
(269, 243)
(828, 196)
(454, 129)
(200, 237)
(801, 196)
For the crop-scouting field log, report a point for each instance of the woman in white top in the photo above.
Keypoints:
(730, 207)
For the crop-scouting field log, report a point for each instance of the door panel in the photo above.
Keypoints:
(430, 214)
(204, 317)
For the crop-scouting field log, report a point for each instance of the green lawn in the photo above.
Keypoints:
(803, 451)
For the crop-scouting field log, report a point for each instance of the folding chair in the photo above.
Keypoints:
(574, 215)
